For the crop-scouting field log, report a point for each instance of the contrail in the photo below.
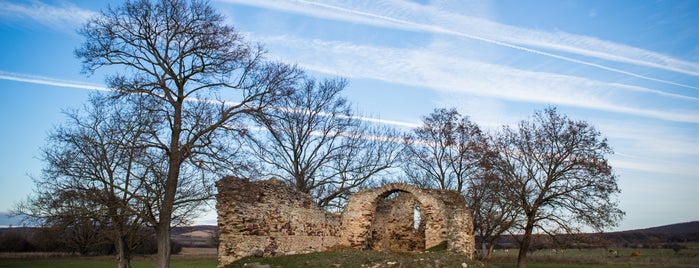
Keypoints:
(438, 29)
(72, 84)
(48, 81)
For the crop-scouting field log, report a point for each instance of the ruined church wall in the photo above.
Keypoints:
(443, 212)
(267, 218)
(459, 221)
(461, 238)
(393, 228)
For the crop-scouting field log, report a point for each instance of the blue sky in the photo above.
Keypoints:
(631, 68)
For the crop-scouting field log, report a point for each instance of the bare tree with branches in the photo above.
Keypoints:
(450, 152)
(181, 57)
(444, 152)
(494, 212)
(557, 172)
(94, 174)
(311, 140)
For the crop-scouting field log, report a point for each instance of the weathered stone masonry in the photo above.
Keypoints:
(267, 218)
(444, 217)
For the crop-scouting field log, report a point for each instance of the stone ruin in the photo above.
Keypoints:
(268, 218)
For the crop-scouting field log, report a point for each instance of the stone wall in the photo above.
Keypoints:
(267, 218)
(394, 228)
(444, 213)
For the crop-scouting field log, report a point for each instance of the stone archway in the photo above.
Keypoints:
(269, 218)
(446, 218)
(395, 225)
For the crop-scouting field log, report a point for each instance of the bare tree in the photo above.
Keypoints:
(181, 57)
(557, 171)
(368, 152)
(444, 151)
(312, 141)
(66, 214)
(494, 212)
(90, 183)
(450, 152)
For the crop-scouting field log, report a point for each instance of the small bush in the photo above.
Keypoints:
(675, 247)
(150, 246)
(48, 240)
(175, 248)
(12, 241)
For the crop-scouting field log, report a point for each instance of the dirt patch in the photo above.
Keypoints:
(199, 252)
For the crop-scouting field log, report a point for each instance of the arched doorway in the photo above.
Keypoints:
(397, 224)
(364, 227)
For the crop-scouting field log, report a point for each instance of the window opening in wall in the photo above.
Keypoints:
(416, 216)
(392, 195)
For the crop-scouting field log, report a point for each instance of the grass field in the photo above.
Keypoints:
(571, 258)
(621, 257)
(188, 258)
(354, 258)
(103, 262)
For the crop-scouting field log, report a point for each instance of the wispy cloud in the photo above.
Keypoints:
(652, 140)
(41, 80)
(65, 16)
(656, 167)
(450, 72)
(405, 15)
(649, 147)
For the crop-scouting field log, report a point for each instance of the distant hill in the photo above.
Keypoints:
(655, 237)
(6, 220)
(195, 236)
(677, 228)
(661, 236)
(194, 228)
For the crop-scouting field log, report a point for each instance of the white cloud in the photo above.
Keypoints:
(436, 20)
(66, 16)
(652, 147)
(644, 139)
(79, 85)
(656, 167)
(449, 72)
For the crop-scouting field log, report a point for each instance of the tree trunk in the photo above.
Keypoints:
(163, 227)
(166, 209)
(490, 249)
(526, 241)
(171, 182)
(163, 236)
(123, 254)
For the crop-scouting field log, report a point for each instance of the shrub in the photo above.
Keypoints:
(150, 246)
(12, 241)
(675, 247)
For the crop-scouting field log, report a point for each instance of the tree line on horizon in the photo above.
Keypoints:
(193, 101)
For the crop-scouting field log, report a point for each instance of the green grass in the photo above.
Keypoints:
(435, 257)
(602, 258)
(355, 258)
(566, 265)
(106, 262)
(572, 258)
